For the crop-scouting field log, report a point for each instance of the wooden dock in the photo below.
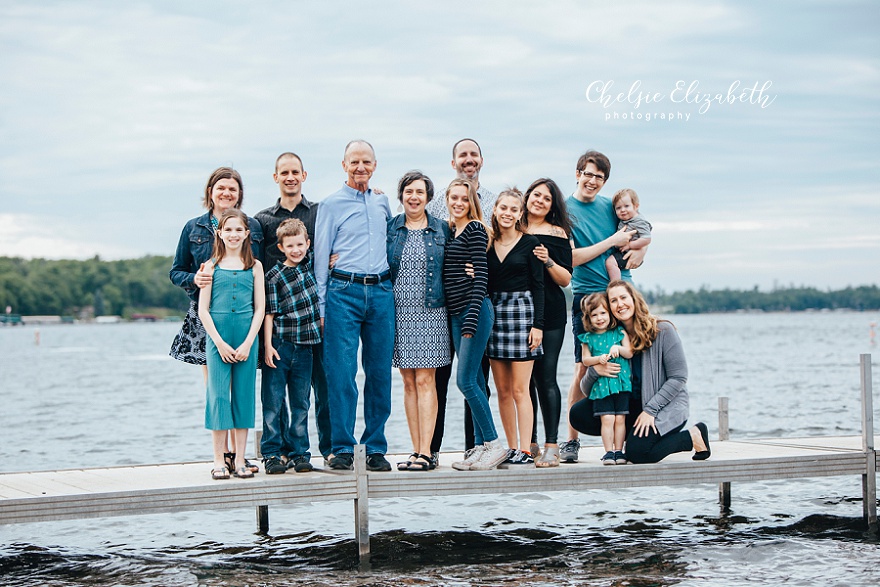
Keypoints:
(152, 489)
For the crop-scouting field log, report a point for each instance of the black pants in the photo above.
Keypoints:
(441, 379)
(652, 448)
(545, 390)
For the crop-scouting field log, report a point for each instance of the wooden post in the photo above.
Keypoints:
(362, 508)
(262, 510)
(869, 479)
(723, 434)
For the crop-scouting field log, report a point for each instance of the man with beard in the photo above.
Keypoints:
(467, 161)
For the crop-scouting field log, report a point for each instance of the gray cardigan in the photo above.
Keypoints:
(664, 379)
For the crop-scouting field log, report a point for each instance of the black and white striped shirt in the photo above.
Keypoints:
(463, 293)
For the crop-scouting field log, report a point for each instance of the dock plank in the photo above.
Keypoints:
(177, 487)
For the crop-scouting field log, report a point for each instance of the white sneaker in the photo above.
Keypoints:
(471, 456)
(493, 455)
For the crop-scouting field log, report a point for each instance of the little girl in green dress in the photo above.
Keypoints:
(605, 341)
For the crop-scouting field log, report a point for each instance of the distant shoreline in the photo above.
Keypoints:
(133, 288)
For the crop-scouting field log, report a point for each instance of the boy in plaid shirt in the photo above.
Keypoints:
(291, 327)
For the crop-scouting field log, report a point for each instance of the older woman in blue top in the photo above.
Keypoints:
(223, 191)
(416, 242)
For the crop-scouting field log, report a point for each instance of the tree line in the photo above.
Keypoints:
(90, 287)
(790, 299)
(124, 287)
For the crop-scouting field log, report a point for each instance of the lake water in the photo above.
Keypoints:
(100, 395)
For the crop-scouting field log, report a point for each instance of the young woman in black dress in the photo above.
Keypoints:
(547, 219)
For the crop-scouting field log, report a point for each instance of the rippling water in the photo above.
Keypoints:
(108, 395)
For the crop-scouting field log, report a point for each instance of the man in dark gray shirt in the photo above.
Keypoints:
(290, 175)
(467, 161)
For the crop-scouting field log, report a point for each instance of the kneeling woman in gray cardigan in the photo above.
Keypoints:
(659, 405)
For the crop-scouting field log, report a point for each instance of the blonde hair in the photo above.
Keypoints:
(644, 329)
(475, 211)
(247, 255)
(625, 192)
(590, 303)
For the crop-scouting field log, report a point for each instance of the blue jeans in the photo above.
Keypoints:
(355, 311)
(283, 434)
(322, 409)
(470, 377)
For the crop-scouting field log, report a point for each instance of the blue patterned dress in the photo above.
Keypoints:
(421, 339)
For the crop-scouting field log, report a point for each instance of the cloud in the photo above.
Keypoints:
(30, 237)
(113, 116)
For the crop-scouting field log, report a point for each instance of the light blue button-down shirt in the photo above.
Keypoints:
(353, 225)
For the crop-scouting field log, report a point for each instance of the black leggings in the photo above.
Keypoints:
(652, 448)
(545, 389)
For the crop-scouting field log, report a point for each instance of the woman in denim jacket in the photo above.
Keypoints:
(416, 242)
(223, 191)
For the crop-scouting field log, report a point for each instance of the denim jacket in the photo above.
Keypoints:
(195, 246)
(436, 236)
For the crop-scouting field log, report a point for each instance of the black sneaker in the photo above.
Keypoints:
(273, 465)
(300, 464)
(435, 459)
(521, 458)
(516, 458)
(568, 451)
(344, 461)
(377, 462)
(608, 458)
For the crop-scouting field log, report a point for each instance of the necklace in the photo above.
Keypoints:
(417, 225)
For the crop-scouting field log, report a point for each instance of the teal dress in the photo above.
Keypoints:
(600, 344)
(231, 386)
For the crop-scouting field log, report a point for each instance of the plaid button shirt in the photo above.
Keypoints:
(292, 296)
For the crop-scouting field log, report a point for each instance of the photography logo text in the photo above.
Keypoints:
(680, 102)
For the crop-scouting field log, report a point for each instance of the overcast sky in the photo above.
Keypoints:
(112, 116)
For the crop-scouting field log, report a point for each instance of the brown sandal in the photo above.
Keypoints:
(219, 474)
(243, 473)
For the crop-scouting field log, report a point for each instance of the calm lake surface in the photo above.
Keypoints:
(101, 395)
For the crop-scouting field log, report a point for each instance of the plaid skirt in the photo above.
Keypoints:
(514, 318)
(189, 344)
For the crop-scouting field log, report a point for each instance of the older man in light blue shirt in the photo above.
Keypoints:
(356, 301)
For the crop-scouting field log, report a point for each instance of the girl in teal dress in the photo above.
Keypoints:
(605, 341)
(231, 308)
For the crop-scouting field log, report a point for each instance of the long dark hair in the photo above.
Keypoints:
(558, 214)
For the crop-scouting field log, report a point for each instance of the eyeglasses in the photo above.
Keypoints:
(589, 176)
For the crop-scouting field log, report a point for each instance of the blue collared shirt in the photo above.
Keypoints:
(353, 225)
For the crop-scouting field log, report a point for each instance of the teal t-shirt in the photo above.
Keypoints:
(593, 222)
